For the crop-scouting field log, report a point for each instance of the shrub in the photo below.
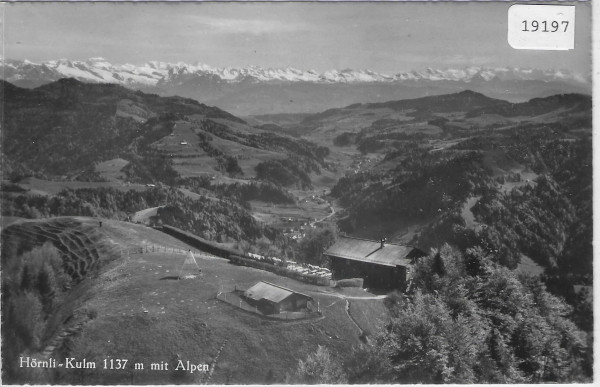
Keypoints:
(350, 283)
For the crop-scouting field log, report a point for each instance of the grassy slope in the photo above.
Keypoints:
(36, 186)
(191, 160)
(184, 318)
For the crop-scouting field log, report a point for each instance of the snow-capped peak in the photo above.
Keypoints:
(98, 69)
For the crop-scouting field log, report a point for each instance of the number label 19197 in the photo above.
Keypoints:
(545, 25)
(541, 27)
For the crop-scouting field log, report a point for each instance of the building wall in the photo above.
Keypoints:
(374, 275)
(266, 306)
(293, 303)
(286, 305)
(300, 302)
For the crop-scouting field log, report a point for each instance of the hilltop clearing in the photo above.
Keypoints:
(136, 310)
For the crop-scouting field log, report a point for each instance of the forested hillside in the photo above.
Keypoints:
(65, 128)
(512, 187)
(67, 124)
(467, 320)
(473, 321)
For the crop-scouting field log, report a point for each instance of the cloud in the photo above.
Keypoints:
(461, 59)
(248, 26)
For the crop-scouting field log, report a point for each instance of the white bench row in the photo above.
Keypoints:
(292, 265)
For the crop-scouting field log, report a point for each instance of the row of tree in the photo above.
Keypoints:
(221, 220)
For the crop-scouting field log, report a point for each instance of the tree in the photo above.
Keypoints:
(368, 364)
(319, 367)
(472, 320)
(316, 242)
(426, 345)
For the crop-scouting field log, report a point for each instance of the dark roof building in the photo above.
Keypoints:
(380, 264)
(271, 298)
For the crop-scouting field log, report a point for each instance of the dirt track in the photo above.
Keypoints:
(143, 215)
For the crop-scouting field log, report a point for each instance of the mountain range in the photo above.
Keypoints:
(254, 90)
(161, 73)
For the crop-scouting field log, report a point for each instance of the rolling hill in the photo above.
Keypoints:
(67, 128)
(64, 127)
(417, 164)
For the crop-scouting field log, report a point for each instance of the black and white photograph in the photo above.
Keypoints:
(296, 193)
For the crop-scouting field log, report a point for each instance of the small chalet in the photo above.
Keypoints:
(273, 299)
(381, 265)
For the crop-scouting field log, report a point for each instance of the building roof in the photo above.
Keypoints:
(370, 251)
(269, 291)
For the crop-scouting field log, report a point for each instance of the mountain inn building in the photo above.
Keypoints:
(382, 265)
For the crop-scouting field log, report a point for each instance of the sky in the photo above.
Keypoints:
(383, 37)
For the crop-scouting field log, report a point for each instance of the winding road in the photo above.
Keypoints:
(326, 217)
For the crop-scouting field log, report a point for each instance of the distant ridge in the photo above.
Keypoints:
(67, 125)
(254, 90)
